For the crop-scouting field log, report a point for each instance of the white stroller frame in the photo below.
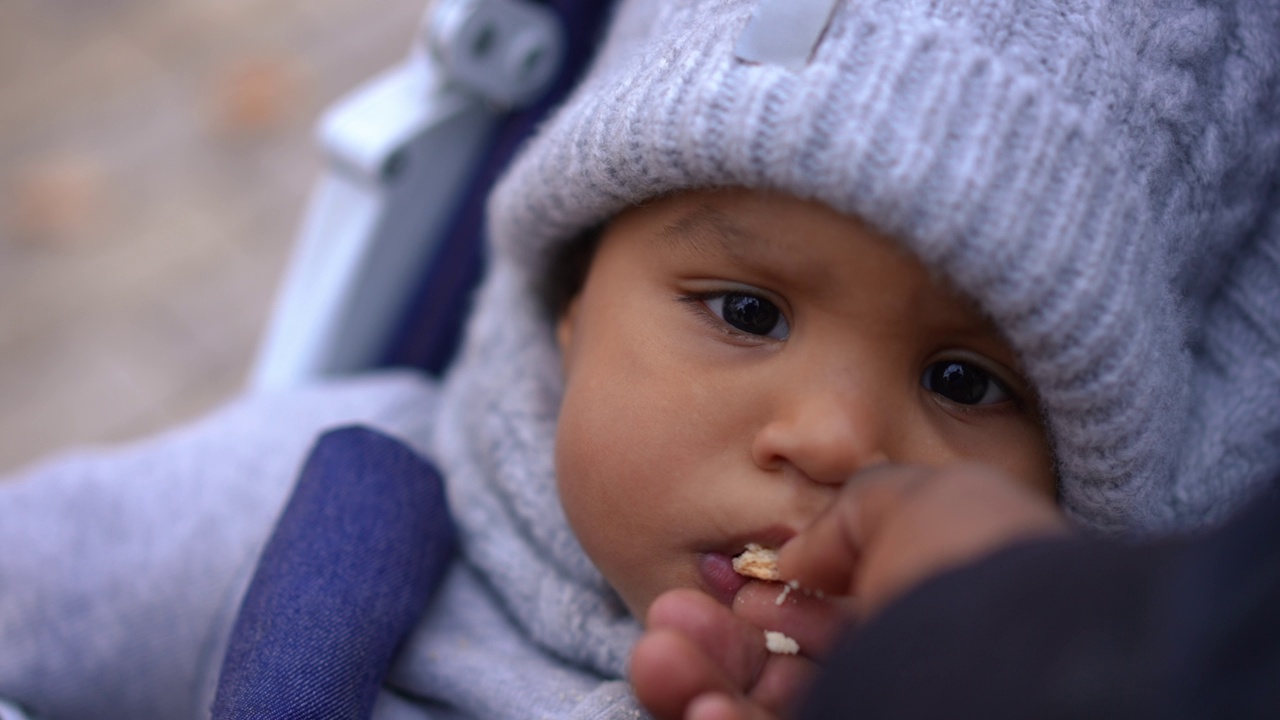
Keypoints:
(398, 153)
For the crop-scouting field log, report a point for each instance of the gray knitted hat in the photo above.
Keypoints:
(1102, 181)
(1091, 173)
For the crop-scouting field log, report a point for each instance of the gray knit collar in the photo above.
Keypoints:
(495, 442)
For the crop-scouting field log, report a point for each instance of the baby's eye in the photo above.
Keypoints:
(749, 313)
(964, 383)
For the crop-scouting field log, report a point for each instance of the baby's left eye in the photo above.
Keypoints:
(964, 383)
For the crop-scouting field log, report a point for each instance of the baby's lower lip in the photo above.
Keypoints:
(718, 577)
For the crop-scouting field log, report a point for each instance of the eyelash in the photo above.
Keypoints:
(700, 303)
(975, 378)
(1015, 393)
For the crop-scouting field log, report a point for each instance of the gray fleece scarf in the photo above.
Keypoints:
(524, 627)
(1100, 177)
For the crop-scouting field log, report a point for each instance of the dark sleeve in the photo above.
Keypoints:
(1183, 628)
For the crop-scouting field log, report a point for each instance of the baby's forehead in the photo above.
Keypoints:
(743, 224)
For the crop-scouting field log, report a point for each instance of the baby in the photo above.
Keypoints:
(752, 256)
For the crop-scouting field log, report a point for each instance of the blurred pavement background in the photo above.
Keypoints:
(155, 158)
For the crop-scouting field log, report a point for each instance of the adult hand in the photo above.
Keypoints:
(890, 528)
(895, 526)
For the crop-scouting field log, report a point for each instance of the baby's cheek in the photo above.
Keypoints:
(622, 522)
(592, 480)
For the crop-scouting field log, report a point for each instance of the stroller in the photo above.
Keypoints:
(393, 240)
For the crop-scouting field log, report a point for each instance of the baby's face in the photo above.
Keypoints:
(735, 356)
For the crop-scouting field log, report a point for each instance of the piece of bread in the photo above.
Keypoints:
(779, 644)
(757, 562)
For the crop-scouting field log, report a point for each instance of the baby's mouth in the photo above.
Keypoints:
(719, 578)
(722, 579)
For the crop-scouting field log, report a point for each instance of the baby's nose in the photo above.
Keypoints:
(826, 435)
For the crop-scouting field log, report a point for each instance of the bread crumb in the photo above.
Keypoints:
(758, 562)
(779, 644)
(782, 596)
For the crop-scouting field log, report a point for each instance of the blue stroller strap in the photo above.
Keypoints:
(355, 557)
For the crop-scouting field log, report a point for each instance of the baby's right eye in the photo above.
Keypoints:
(750, 314)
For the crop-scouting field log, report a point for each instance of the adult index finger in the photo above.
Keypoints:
(814, 623)
(825, 556)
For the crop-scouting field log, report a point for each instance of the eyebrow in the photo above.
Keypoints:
(707, 232)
